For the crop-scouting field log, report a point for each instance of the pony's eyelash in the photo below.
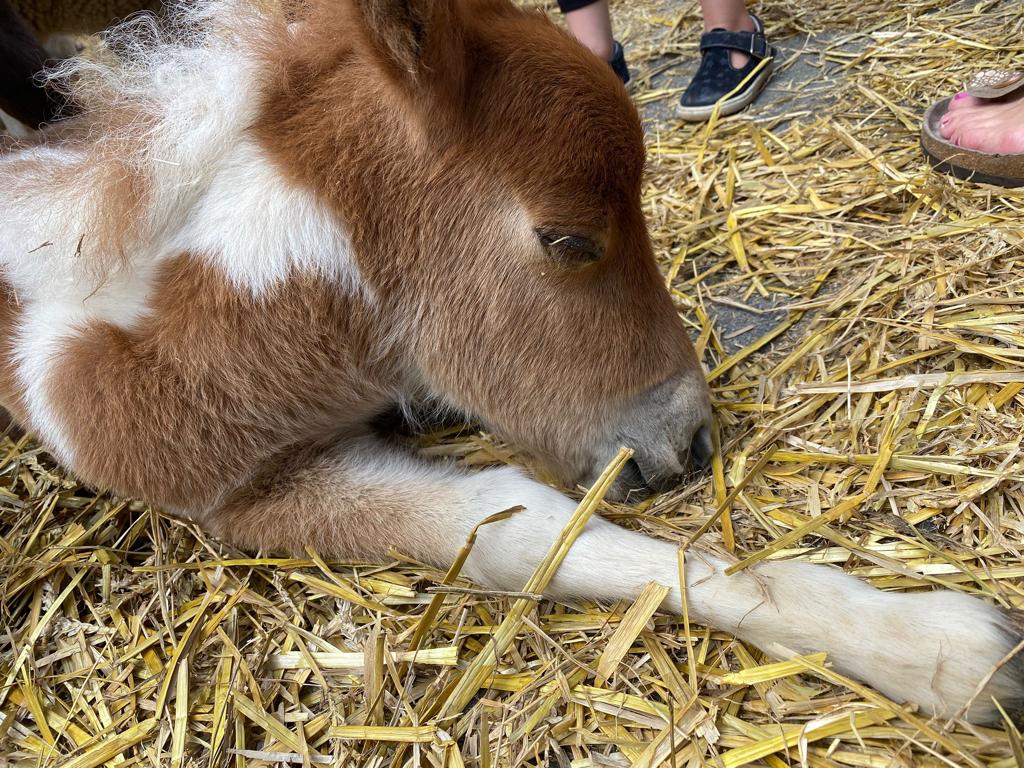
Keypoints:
(571, 247)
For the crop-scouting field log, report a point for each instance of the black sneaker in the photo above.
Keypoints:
(717, 77)
(618, 62)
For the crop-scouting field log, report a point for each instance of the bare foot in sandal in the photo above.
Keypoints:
(986, 125)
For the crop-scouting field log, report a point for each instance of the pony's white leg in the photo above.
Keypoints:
(932, 649)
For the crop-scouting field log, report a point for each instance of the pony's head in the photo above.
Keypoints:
(488, 170)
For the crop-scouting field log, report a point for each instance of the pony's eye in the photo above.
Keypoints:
(571, 249)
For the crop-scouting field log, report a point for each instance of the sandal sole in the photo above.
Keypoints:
(967, 164)
(737, 103)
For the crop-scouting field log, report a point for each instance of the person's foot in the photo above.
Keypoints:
(995, 126)
(719, 84)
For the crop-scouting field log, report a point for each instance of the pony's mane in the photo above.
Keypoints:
(142, 61)
(162, 102)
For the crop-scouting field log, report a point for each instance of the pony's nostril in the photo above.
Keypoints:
(631, 478)
(637, 481)
(630, 485)
(701, 448)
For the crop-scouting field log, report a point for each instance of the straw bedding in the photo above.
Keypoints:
(860, 318)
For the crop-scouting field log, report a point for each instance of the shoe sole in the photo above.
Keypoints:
(737, 103)
(967, 164)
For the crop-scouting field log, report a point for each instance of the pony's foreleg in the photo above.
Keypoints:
(359, 499)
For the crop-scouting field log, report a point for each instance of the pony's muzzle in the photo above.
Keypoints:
(669, 429)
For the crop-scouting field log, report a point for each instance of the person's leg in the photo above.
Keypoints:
(730, 15)
(590, 22)
(995, 125)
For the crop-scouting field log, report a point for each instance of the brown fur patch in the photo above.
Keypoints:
(213, 383)
(305, 498)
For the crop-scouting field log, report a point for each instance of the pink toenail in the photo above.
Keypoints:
(961, 95)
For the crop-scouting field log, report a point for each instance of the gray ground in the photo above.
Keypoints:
(802, 85)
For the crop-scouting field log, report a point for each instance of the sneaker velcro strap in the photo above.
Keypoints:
(753, 43)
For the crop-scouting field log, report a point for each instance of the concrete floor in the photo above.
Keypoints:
(803, 84)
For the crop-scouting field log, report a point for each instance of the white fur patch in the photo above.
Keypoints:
(932, 649)
(257, 229)
(212, 190)
(43, 220)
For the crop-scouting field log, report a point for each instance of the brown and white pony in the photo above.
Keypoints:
(265, 231)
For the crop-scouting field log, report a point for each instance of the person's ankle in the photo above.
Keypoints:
(741, 23)
(603, 49)
(747, 24)
(617, 62)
